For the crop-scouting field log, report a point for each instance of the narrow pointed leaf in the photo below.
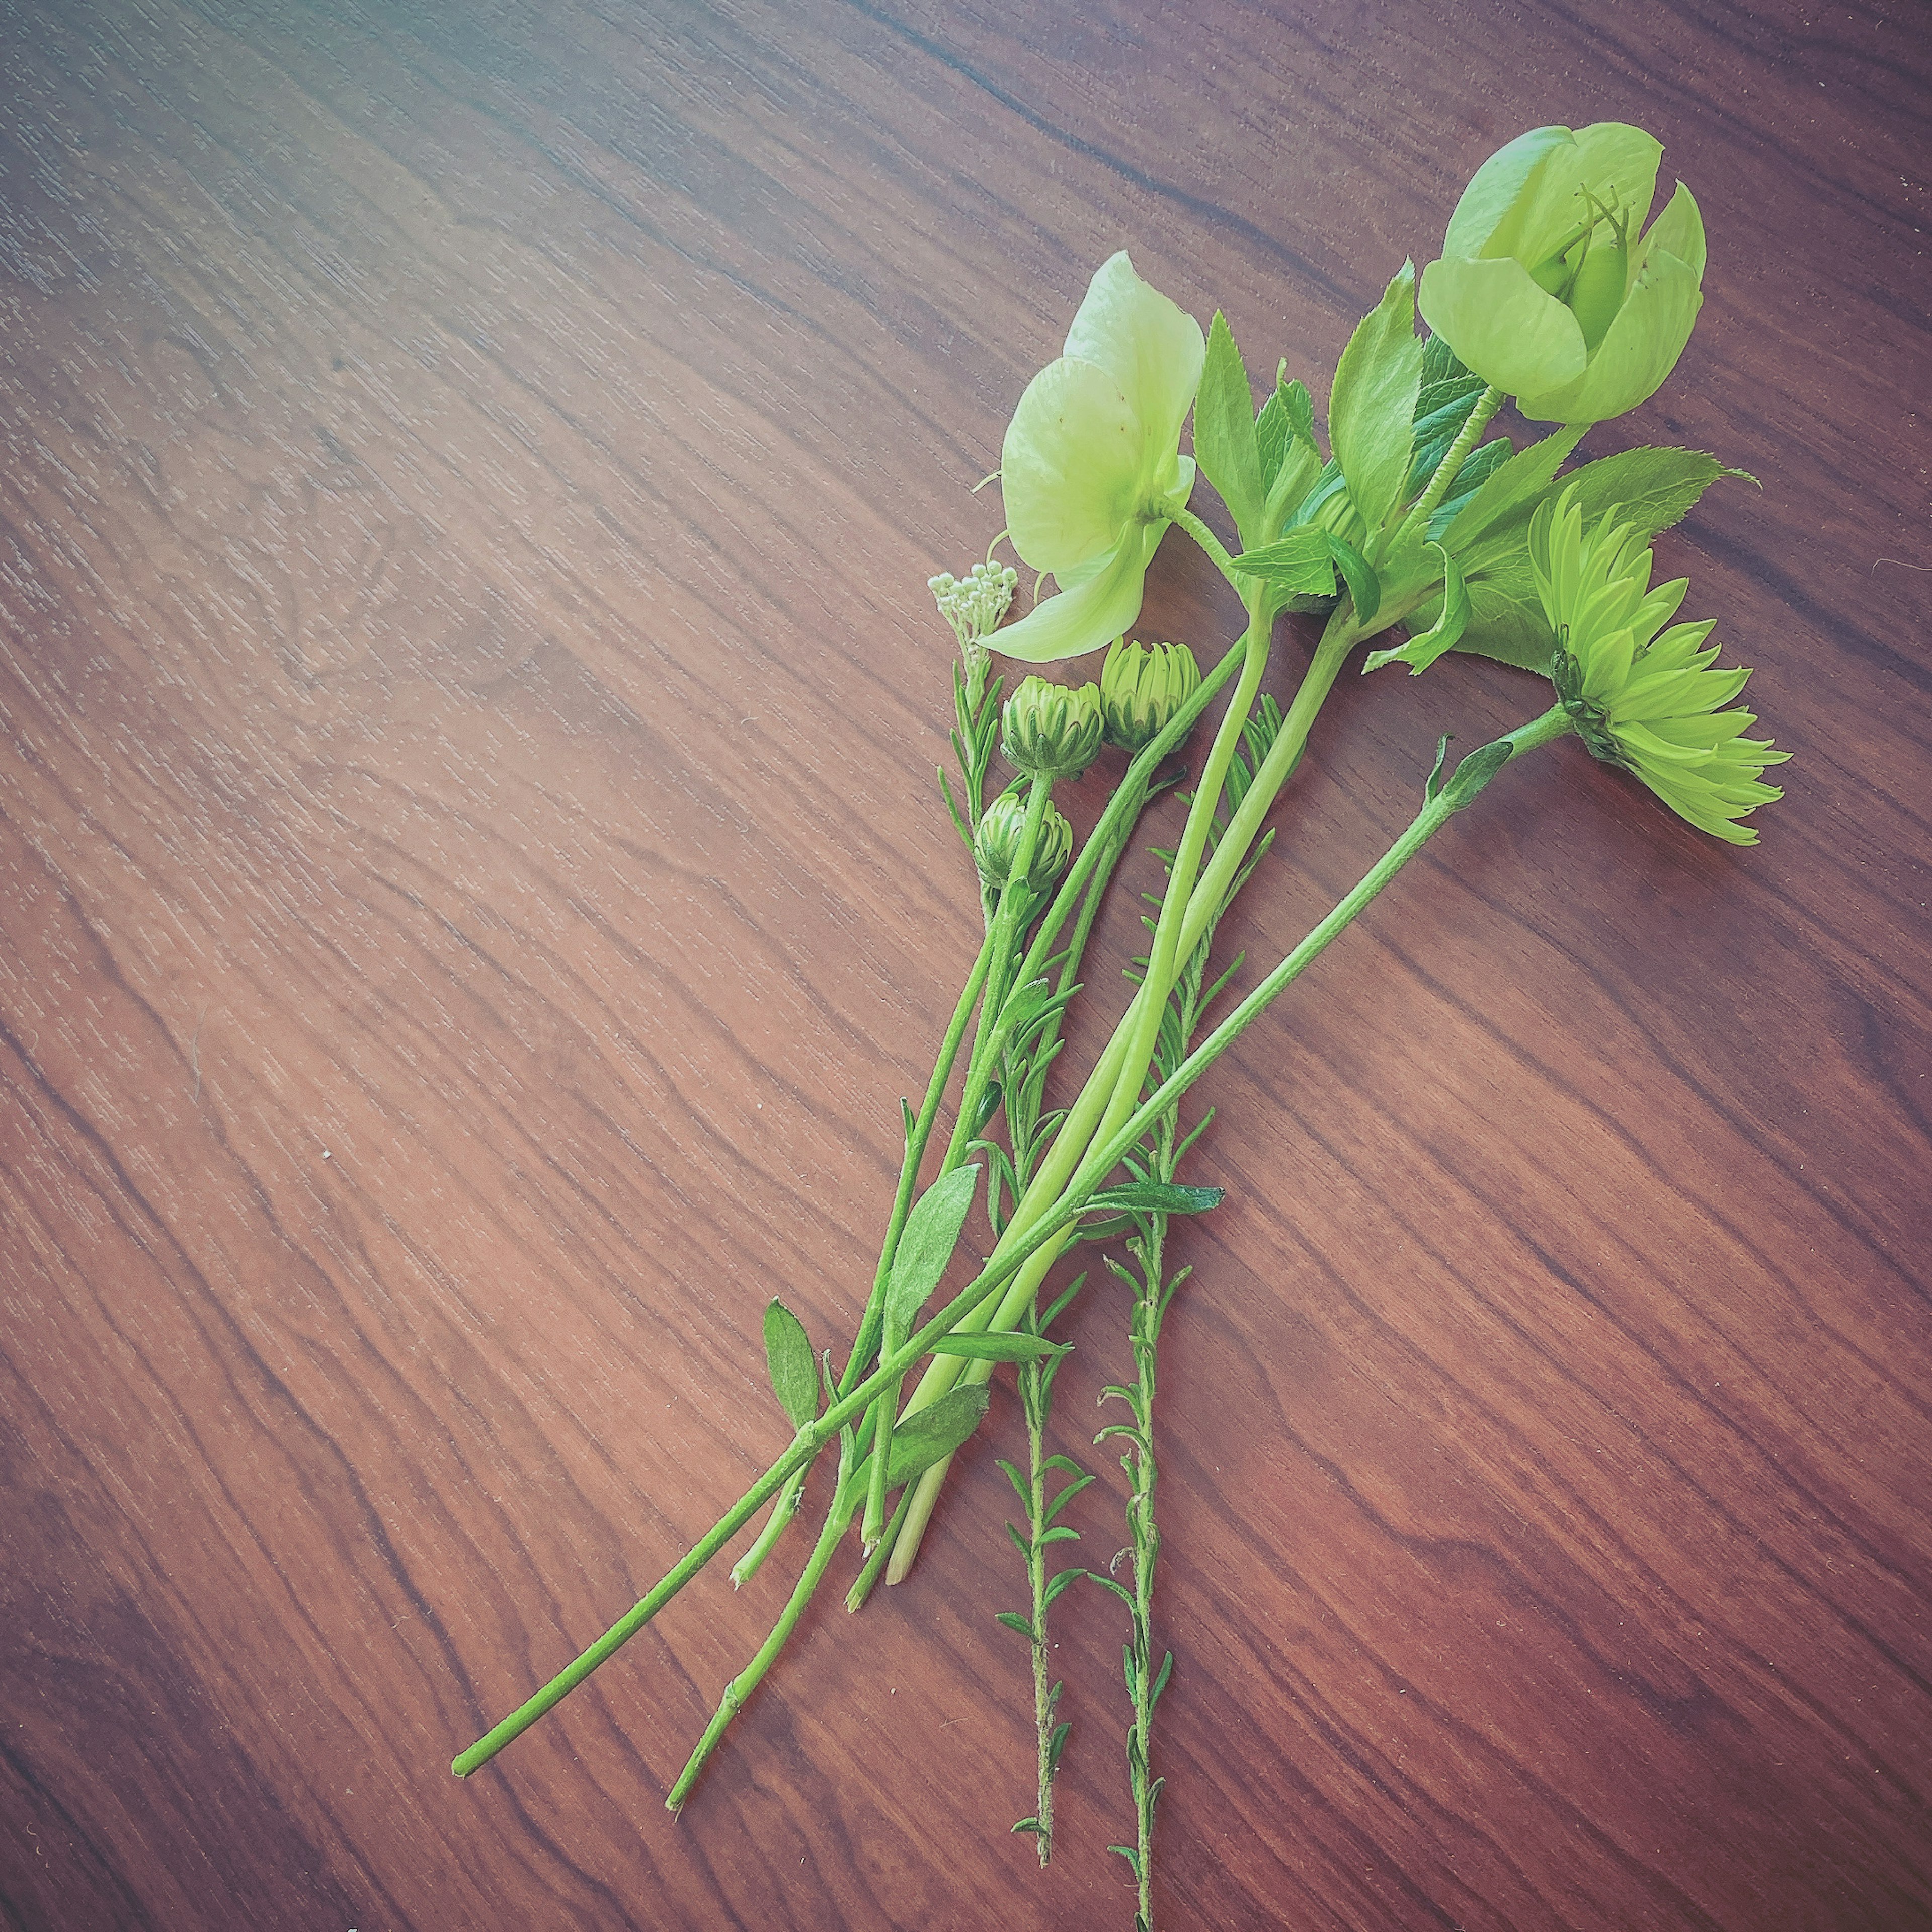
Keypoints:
(932, 1233)
(1224, 430)
(1001, 1348)
(789, 1362)
(1158, 1197)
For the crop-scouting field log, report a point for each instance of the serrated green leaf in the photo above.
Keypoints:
(1512, 492)
(1511, 629)
(1477, 468)
(1001, 1347)
(789, 1363)
(1291, 462)
(1371, 409)
(931, 1233)
(1421, 650)
(1224, 430)
(1440, 363)
(1300, 562)
(1649, 489)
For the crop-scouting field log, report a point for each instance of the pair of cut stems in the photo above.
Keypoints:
(1019, 1249)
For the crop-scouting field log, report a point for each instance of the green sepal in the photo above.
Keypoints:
(1371, 407)
(789, 1363)
(1225, 444)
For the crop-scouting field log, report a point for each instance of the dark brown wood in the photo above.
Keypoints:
(472, 895)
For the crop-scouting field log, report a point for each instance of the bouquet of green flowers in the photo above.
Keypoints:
(1548, 289)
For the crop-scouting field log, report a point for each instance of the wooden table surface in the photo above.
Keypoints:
(473, 893)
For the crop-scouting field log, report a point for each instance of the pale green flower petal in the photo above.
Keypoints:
(1641, 349)
(1616, 163)
(1152, 348)
(1494, 187)
(1070, 469)
(1504, 328)
(1098, 604)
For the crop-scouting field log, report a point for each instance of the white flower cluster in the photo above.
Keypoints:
(974, 605)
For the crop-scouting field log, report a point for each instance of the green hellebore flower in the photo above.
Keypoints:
(1051, 730)
(1646, 702)
(1545, 289)
(1091, 469)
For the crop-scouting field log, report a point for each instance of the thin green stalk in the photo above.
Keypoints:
(838, 1520)
(1417, 522)
(1217, 552)
(1000, 1269)
(784, 1508)
(979, 1069)
(868, 1338)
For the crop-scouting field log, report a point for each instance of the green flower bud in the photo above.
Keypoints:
(1051, 730)
(1141, 687)
(1546, 287)
(997, 844)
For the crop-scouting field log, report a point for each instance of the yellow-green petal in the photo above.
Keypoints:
(1616, 163)
(1678, 231)
(1070, 468)
(1504, 328)
(1641, 349)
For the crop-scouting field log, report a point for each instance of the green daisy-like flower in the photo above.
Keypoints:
(1640, 696)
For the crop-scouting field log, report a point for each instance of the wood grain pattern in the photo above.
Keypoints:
(471, 895)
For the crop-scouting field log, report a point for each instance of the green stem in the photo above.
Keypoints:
(984, 1057)
(1216, 551)
(1109, 836)
(837, 1522)
(1145, 1537)
(861, 1585)
(1417, 521)
(1045, 1696)
(1001, 1269)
